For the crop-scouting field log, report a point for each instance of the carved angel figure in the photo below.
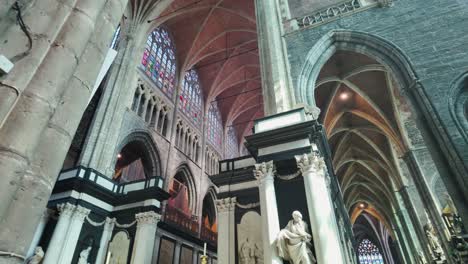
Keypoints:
(293, 242)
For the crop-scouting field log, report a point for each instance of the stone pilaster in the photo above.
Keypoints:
(105, 238)
(145, 237)
(226, 230)
(264, 172)
(60, 232)
(321, 210)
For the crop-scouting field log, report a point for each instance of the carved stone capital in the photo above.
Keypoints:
(147, 218)
(311, 162)
(110, 222)
(226, 204)
(81, 213)
(66, 209)
(264, 170)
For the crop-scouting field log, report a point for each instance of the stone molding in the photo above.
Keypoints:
(310, 162)
(66, 209)
(264, 171)
(147, 218)
(226, 204)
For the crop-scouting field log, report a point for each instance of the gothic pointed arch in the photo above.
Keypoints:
(137, 158)
(209, 229)
(183, 191)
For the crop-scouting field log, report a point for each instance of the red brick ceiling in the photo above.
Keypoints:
(219, 39)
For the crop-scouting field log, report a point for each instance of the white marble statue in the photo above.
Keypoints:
(293, 242)
(433, 241)
(37, 257)
(247, 252)
(84, 256)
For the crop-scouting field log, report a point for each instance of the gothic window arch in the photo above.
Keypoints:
(369, 253)
(191, 97)
(159, 62)
(232, 145)
(215, 128)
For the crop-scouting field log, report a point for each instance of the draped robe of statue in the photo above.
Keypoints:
(293, 242)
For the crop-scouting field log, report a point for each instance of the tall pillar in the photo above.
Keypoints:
(55, 245)
(226, 233)
(264, 173)
(277, 92)
(413, 215)
(320, 206)
(73, 234)
(105, 238)
(428, 200)
(178, 248)
(145, 237)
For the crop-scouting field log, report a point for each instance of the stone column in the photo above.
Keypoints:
(264, 173)
(320, 206)
(105, 238)
(39, 231)
(226, 233)
(277, 94)
(55, 245)
(145, 237)
(73, 234)
(428, 200)
(177, 250)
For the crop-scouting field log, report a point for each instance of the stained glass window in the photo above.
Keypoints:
(191, 97)
(158, 60)
(232, 149)
(369, 253)
(214, 129)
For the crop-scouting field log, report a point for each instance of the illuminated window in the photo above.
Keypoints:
(214, 129)
(369, 253)
(232, 149)
(158, 60)
(191, 97)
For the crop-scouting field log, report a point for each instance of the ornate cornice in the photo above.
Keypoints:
(66, 209)
(226, 204)
(148, 218)
(310, 162)
(264, 171)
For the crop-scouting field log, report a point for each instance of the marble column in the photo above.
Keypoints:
(54, 249)
(320, 206)
(39, 231)
(264, 172)
(145, 237)
(178, 248)
(226, 231)
(73, 234)
(105, 238)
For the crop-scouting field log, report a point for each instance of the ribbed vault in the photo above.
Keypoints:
(218, 38)
(356, 96)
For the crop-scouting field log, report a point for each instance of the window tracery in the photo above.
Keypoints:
(215, 128)
(232, 149)
(159, 62)
(188, 141)
(191, 97)
(369, 253)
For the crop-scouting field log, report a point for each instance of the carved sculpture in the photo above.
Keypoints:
(84, 256)
(258, 253)
(293, 242)
(436, 249)
(37, 257)
(247, 252)
(421, 258)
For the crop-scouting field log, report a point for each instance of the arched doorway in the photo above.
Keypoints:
(209, 225)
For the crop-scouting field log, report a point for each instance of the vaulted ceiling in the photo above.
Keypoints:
(218, 38)
(356, 96)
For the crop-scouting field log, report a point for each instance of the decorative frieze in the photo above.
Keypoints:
(226, 204)
(148, 218)
(329, 13)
